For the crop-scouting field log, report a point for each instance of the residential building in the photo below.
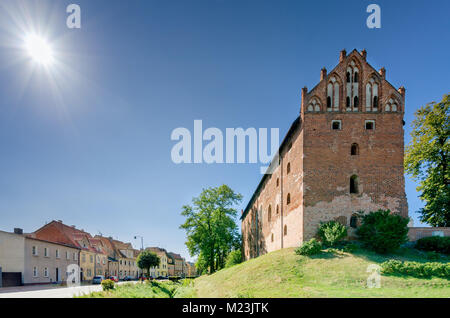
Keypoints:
(190, 269)
(162, 269)
(179, 264)
(127, 260)
(170, 264)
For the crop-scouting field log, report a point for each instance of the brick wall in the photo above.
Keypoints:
(416, 233)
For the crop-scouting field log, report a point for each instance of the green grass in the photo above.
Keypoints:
(329, 274)
(284, 274)
(138, 290)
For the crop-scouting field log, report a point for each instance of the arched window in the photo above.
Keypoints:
(288, 169)
(333, 95)
(269, 214)
(314, 105)
(278, 182)
(354, 184)
(285, 230)
(278, 209)
(391, 105)
(372, 95)
(288, 198)
(352, 88)
(353, 221)
(355, 102)
(354, 150)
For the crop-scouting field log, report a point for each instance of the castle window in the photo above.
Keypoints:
(375, 102)
(352, 89)
(285, 230)
(355, 77)
(314, 105)
(353, 221)
(278, 182)
(370, 124)
(288, 169)
(329, 102)
(288, 198)
(371, 95)
(270, 213)
(336, 124)
(272, 237)
(278, 209)
(348, 77)
(333, 95)
(347, 102)
(354, 150)
(354, 184)
(355, 102)
(391, 106)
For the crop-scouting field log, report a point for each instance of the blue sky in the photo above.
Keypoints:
(88, 140)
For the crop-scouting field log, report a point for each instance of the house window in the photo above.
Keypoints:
(288, 168)
(57, 253)
(45, 251)
(91, 258)
(353, 221)
(67, 255)
(285, 230)
(35, 271)
(336, 124)
(288, 198)
(354, 184)
(354, 150)
(370, 124)
(74, 256)
(46, 272)
(34, 250)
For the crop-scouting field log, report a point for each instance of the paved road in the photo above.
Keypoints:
(48, 291)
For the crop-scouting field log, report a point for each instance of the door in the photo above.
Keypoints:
(57, 274)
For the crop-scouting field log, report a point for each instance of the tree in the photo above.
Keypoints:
(233, 258)
(427, 159)
(211, 227)
(147, 259)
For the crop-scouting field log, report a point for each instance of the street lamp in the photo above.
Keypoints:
(142, 241)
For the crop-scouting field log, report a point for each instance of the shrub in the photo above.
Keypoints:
(107, 284)
(332, 232)
(435, 244)
(433, 256)
(383, 231)
(310, 247)
(235, 257)
(415, 269)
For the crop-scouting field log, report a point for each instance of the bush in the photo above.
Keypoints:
(435, 244)
(310, 247)
(235, 257)
(332, 232)
(107, 284)
(383, 231)
(415, 269)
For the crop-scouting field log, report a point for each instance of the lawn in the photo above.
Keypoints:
(284, 274)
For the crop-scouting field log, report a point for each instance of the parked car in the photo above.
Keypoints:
(127, 278)
(98, 279)
(114, 278)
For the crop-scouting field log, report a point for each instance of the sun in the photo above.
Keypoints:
(39, 49)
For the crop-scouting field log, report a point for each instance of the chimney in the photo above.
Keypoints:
(402, 90)
(18, 231)
(343, 55)
(364, 54)
(323, 73)
(382, 72)
(304, 92)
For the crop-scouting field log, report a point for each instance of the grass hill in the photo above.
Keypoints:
(329, 274)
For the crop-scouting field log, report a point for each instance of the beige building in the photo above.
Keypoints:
(162, 269)
(27, 260)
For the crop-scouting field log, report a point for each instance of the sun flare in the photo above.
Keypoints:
(39, 49)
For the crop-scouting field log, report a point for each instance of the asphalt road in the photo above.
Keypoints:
(48, 291)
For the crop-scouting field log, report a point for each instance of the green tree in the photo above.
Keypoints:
(233, 258)
(147, 259)
(427, 160)
(211, 227)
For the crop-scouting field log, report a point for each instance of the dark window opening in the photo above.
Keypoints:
(270, 213)
(355, 101)
(329, 102)
(285, 230)
(375, 101)
(272, 237)
(356, 77)
(278, 209)
(288, 168)
(347, 101)
(354, 221)
(354, 150)
(369, 125)
(336, 125)
(354, 184)
(288, 198)
(348, 77)
(278, 182)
